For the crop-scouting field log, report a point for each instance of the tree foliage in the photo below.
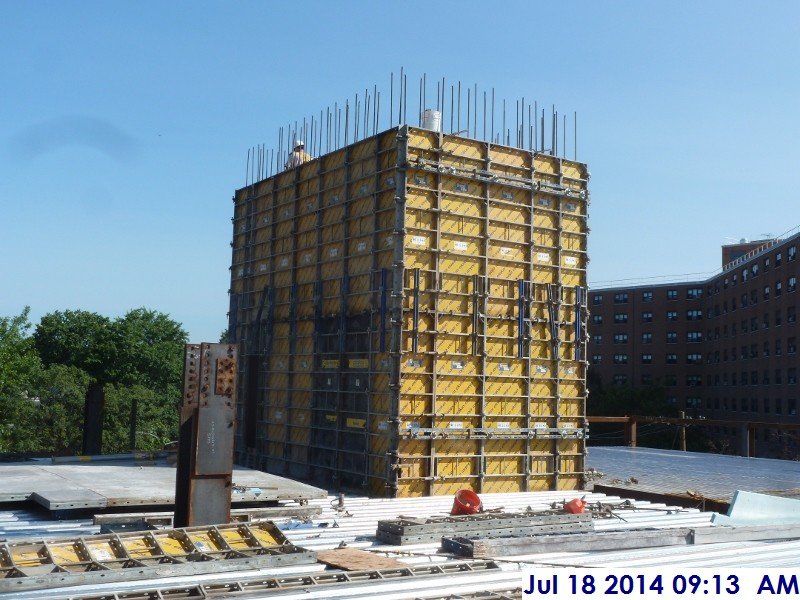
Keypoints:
(44, 379)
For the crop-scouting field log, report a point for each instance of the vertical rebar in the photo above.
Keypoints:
(419, 112)
(469, 93)
(475, 116)
(452, 112)
(484, 115)
(492, 136)
(458, 118)
(405, 99)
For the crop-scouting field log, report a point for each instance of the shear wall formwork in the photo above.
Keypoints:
(411, 313)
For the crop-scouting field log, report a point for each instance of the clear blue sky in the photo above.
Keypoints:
(124, 126)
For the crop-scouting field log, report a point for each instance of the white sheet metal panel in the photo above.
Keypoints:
(715, 476)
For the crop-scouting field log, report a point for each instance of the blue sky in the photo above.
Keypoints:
(124, 127)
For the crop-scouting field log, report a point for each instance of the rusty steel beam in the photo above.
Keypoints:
(207, 424)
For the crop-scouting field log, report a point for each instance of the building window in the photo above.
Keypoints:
(765, 321)
(753, 350)
(647, 379)
(620, 379)
(778, 288)
(694, 293)
(647, 338)
(672, 359)
(753, 377)
(725, 284)
(766, 349)
(672, 315)
(791, 314)
(670, 380)
(778, 257)
(693, 402)
(766, 264)
(791, 345)
(621, 298)
(791, 375)
(765, 377)
(778, 348)
(744, 300)
(694, 380)
(791, 253)
(647, 359)
(753, 323)
(596, 359)
(694, 359)
(672, 337)
(753, 297)
(620, 359)
(620, 317)
(597, 340)
(754, 270)
(647, 317)
(766, 292)
(597, 299)
(695, 315)
(766, 405)
(694, 337)
(647, 296)
(597, 319)
(778, 317)
(672, 294)
(791, 407)
(778, 377)
(620, 338)
(791, 285)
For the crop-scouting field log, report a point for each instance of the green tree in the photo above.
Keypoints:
(59, 393)
(18, 358)
(149, 350)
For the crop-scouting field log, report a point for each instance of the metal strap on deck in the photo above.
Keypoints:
(316, 581)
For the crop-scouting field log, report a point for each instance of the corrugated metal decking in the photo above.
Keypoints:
(411, 314)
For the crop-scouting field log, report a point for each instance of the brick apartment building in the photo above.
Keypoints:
(724, 348)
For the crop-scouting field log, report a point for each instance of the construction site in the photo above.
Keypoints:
(400, 407)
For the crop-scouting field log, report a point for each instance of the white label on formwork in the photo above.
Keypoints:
(541, 369)
(357, 382)
(412, 425)
(571, 206)
(334, 199)
(202, 546)
(384, 363)
(461, 187)
(420, 180)
(383, 426)
(542, 256)
(279, 415)
(570, 260)
(262, 267)
(309, 206)
(284, 262)
(418, 240)
(243, 228)
(461, 245)
(266, 219)
(503, 367)
(457, 364)
(240, 272)
(307, 259)
(508, 196)
(300, 418)
(303, 364)
(455, 425)
(362, 190)
(390, 181)
(101, 554)
(390, 241)
(544, 202)
(414, 363)
(361, 246)
(333, 252)
(570, 370)
(285, 212)
(539, 425)
(504, 424)
(280, 364)
(505, 251)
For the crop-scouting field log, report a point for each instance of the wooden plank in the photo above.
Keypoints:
(350, 559)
